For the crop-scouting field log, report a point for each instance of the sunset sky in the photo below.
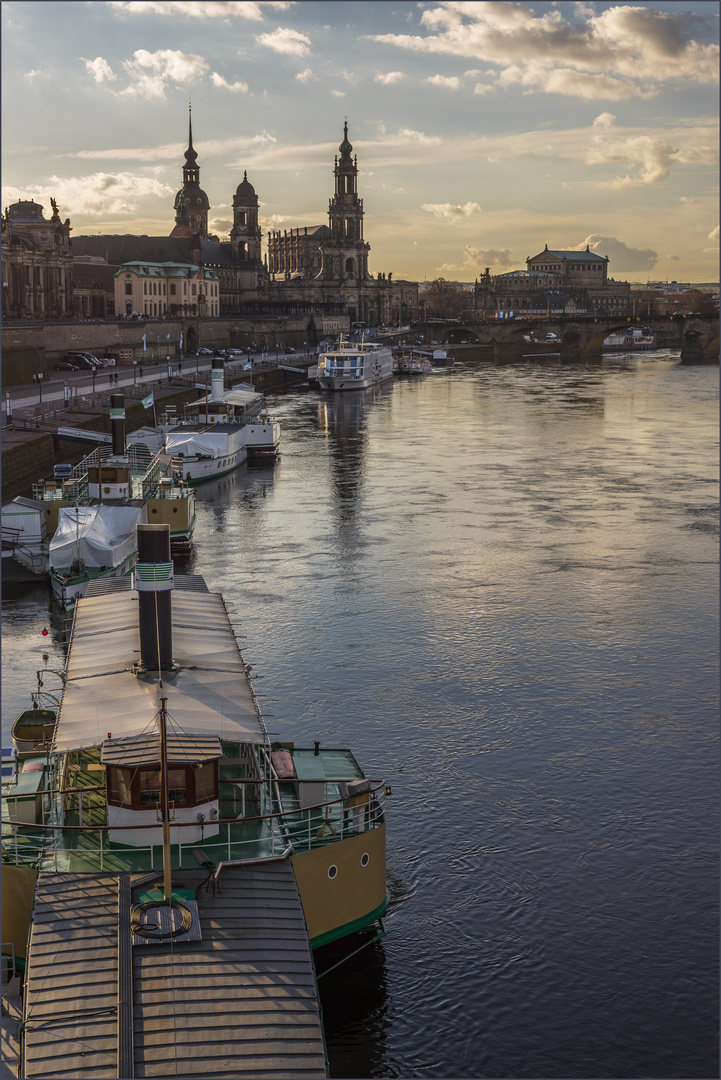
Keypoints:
(483, 130)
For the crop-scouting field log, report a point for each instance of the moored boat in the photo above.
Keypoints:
(165, 790)
(638, 338)
(355, 366)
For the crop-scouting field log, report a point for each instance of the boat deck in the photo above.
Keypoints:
(242, 1001)
(80, 842)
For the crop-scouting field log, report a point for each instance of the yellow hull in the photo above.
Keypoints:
(352, 896)
(18, 893)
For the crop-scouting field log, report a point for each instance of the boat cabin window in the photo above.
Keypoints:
(188, 785)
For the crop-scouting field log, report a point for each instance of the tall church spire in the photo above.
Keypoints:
(191, 203)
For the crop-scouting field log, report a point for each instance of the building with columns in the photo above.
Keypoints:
(553, 282)
(37, 263)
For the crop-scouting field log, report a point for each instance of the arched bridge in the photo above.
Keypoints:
(697, 336)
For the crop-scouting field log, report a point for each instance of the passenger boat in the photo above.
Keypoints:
(413, 365)
(219, 432)
(638, 338)
(355, 366)
(168, 838)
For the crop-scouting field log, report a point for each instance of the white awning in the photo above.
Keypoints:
(208, 695)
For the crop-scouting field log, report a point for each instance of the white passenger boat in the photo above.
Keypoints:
(218, 433)
(625, 340)
(353, 366)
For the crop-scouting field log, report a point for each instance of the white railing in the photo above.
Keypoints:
(303, 829)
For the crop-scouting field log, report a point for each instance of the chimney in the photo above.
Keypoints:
(217, 386)
(117, 423)
(153, 580)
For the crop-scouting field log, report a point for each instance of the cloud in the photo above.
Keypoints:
(201, 9)
(651, 158)
(624, 51)
(673, 258)
(306, 76)
(222, 83)
(338, 93)
(619, 254)
(486, 256)
(446, 81)
(99, 194)
(390, 77)
(283, 40)
(714, 234)
(100, 69)
(220, 225)
(420, 136)
(175, 151)
(151, 73)
(450, 212)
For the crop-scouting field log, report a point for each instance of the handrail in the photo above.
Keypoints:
(174, 824)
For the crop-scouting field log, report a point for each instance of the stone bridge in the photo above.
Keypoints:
(697, 336)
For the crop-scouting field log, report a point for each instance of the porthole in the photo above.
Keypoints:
(365, 858)
(175, 510)
(332, 871)
(155, 510)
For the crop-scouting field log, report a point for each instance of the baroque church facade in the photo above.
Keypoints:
(328, 264)
(320, 270)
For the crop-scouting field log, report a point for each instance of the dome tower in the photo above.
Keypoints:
(246, 234)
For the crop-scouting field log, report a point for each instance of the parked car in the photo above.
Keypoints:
(205, 352)
(65, 365)
(290, 349)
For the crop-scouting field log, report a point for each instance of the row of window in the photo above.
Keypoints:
(151, 308)
(139, 789)
(574, 266)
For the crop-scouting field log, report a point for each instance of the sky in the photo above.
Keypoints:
(483, 130)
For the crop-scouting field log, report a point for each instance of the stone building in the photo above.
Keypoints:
(554, 281)
(328, 264)
(159, 289)
(37, 264)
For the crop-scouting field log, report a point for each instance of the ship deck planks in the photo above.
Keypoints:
(243, 1001)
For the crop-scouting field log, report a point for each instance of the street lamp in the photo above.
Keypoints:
(39, 380)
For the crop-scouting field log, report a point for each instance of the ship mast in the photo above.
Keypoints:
(165, 803)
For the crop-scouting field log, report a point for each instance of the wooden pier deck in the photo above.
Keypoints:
(243, 1001)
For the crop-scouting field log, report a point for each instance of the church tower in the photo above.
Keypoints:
(191, 203)
(345, 254)
(246, 233)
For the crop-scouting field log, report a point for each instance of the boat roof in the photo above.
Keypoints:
(209, 694)
(241, 397)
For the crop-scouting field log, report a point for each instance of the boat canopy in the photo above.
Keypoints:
(145, 749)
(105, 700)
(99, 535)
(203, 443)
(244, 398)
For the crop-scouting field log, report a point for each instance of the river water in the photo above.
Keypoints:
(498, 586)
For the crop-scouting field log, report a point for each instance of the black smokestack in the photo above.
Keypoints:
(117, 423)
(154, 584)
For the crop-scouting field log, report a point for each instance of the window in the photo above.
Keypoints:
(145, 288)
(172, 289)
(128, 288)
(193, 290)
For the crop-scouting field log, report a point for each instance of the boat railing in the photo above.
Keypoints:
(300, 830)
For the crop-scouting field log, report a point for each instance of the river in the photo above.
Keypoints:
(497, 585)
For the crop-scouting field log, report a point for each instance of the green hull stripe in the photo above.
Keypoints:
(351, 927)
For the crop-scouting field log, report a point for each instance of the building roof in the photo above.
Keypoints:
(119, 249)
(164, 270)
(571, 256)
